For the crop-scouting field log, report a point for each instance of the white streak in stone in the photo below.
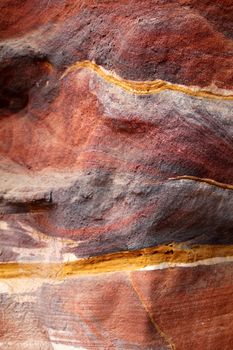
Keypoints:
(207, 262)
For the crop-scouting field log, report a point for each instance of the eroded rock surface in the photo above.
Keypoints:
(116, 169)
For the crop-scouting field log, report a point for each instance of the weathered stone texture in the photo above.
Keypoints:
(116, 148)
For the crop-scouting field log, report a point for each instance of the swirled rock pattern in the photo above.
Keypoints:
(116, 169)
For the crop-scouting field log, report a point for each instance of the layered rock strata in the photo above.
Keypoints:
(116, 169)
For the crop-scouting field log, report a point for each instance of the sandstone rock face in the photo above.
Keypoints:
(116, 175)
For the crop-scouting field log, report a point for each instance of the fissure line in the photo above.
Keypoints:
(166, 338)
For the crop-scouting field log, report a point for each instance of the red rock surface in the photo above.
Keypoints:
(116, 134)
(175, 308)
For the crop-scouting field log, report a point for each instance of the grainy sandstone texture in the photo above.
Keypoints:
(116, 175)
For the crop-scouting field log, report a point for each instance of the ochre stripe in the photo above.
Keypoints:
(144, 87)
(121, 261)
(205, 180)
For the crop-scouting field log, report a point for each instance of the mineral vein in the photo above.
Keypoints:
(145, 87)
(171, 255)
(202, 179)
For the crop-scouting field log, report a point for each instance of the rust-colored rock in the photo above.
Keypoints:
(116, 148)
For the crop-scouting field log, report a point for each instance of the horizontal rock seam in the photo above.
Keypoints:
(172, 255)
(144, 87)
